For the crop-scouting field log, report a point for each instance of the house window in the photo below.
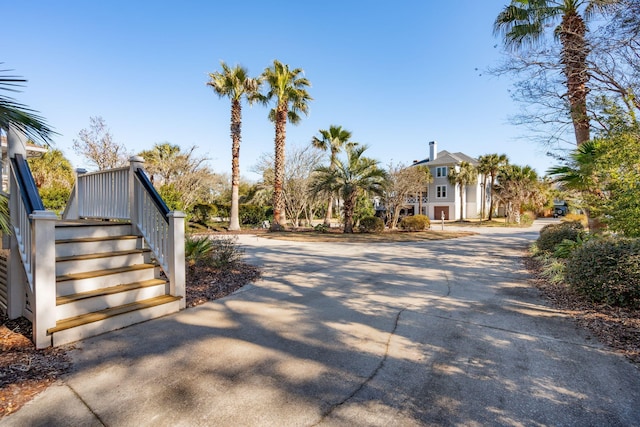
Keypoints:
(441, 191)
(441, 171)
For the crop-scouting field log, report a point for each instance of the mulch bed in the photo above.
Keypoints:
(26, 371)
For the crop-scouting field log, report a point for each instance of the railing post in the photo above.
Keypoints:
(135, 163)
(75, 208)
(17, 279)
(44, 276)
(176, 256)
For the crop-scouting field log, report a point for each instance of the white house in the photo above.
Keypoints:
(442, 197)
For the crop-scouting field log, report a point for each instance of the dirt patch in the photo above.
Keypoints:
(26, 371)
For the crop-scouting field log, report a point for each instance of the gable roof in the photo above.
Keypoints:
(445, 158)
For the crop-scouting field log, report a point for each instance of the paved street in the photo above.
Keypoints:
(430, 333)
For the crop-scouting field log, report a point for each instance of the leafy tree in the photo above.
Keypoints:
(182, 178)
(332, 140)
(462, 175)
(403, 182)
(54, 177)
(489, 165)
(288, 88)
(96, 144)
(235, 84)
(299, 166)
(350, 178)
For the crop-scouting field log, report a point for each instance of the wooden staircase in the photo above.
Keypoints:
(105, 280)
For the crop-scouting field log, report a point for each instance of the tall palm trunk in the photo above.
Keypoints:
(278, 199)
(236, 121)
(349, 208)
(462, 187)
(493, 181)
(574, 59)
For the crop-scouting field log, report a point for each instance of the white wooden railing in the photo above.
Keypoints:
(33, 240)
(127, 194)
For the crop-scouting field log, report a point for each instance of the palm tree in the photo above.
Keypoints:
(288, 88)
(524, 22)
(464, 174)
(235, 84)
(350, 178)
(489, 165)
(26, 121)
(332, 140)
(580, 174)
(18, 115)
(516, 185)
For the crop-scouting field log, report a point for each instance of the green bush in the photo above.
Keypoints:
(371, 224)
(54, 198)
(553, 234)
(252, 214)
(415, 223)
(321, 228)
(607, 270)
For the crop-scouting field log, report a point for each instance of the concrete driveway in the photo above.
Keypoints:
(432, 333)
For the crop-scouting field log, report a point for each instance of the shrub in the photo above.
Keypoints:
(573, 217)
(371, 224)
(225, 251)
(197, 249)
(321, 228)
(607, 270)
(553, 234)
(251, 214)
(415, 223)
(217, 252)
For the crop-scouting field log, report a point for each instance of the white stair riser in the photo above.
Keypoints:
(69, 287)
(83, 248)
(80, 232)
(113, 323)
(94, 264)
(89, 305)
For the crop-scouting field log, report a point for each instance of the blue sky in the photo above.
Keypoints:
(397, 74)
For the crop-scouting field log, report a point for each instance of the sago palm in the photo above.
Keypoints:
(462, 175)
(288, 88)
(349, 178)
(524, 22)
(332, 140)
(236, 84)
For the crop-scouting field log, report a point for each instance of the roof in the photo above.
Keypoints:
(445, 158)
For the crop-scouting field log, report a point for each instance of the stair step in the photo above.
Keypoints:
(67, 299)
(83, 229)
(97, 316)
(91, 245)
(103, 272)
(101, 255)
(95, 239)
